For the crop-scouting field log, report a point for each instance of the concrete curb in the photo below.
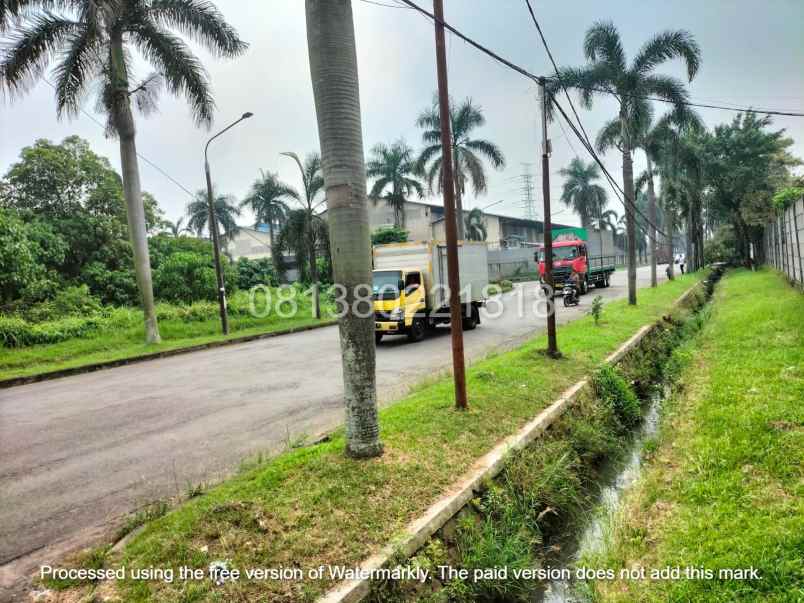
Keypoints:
(487, 467)
(97, 366)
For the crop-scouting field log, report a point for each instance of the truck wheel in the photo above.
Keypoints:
(377, 337)
(606, 281)
(470, 322)
(416, 331)
(585, 285)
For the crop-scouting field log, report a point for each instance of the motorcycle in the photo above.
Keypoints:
(570, 295)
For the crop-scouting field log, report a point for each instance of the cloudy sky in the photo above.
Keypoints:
(753, 55)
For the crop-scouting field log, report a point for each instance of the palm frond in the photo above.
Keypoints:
(666, 46)
(80, 62)
(489, 150)
(31, 49)
(183, 73)
(602, 42)
(202, 22)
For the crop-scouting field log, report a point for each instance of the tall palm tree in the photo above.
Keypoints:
(476, 225)
(394, 169)
(580, 192)
(466, 152)
(333, 67)
(609, 73)
(650, 136)
(226, 212)
(312, 185)
(294, 239)
(91, 41)
(268, 200)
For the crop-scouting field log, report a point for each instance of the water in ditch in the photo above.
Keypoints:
(616, 478)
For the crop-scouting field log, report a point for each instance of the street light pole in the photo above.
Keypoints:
(213, 230)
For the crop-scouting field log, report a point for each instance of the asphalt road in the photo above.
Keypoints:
(78, 452)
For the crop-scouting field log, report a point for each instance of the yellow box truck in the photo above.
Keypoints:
(411, 292)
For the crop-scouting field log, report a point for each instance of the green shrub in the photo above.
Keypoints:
(116, 287)
(255, 272)
(597, 309)
(186, 277)
(614, 392)
(72, 301)
(391, 234)
(499, 539)
(17, 332)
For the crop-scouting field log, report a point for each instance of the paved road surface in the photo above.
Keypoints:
(77, 452)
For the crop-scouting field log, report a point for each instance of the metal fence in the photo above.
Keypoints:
(783, 243)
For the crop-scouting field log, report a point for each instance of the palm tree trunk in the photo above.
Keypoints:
(313, 265)
(669, 226)
(333, 67)
(458, 197)
(630, 217)
(135, 212)
(652, 225)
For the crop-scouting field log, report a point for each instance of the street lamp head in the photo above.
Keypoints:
(247, 115)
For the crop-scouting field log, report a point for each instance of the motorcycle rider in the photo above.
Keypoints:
(575, 281)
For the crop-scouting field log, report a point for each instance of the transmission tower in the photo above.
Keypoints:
(527, 188)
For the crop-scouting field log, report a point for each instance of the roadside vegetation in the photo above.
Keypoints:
(315, 506)
(723, 489)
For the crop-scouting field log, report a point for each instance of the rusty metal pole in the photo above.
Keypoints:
(552, 344)
(454, 283)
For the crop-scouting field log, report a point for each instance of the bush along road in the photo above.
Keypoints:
(312, 505)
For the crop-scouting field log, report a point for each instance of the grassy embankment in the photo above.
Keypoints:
(724, 488)
(119, 334)
(314, 506)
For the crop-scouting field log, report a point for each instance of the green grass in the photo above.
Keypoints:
(128, 341)
(724, 488)
(314, 506)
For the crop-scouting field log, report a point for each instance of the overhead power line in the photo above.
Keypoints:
(535, 78)
(628, 203)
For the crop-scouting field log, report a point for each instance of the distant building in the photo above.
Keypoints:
(510, 240)
(250, 243)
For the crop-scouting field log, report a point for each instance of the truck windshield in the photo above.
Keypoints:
(387, 284)
(561, 253)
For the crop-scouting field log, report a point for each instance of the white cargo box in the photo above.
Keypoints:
(430, 257)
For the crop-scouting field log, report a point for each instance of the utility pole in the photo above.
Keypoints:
(456, 318)
(552, 344)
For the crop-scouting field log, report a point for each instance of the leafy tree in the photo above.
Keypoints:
(91, 40)
(580, 191)
(53, 181)
(466, 152)
(745, 163)
(226, 213)
(186, 277)
(333, 67)
(382, 236)
(19, 256)
(608, 73)
(255, 272)
(395, 172)
(307, 229)
(268, 200)
(476, 225)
